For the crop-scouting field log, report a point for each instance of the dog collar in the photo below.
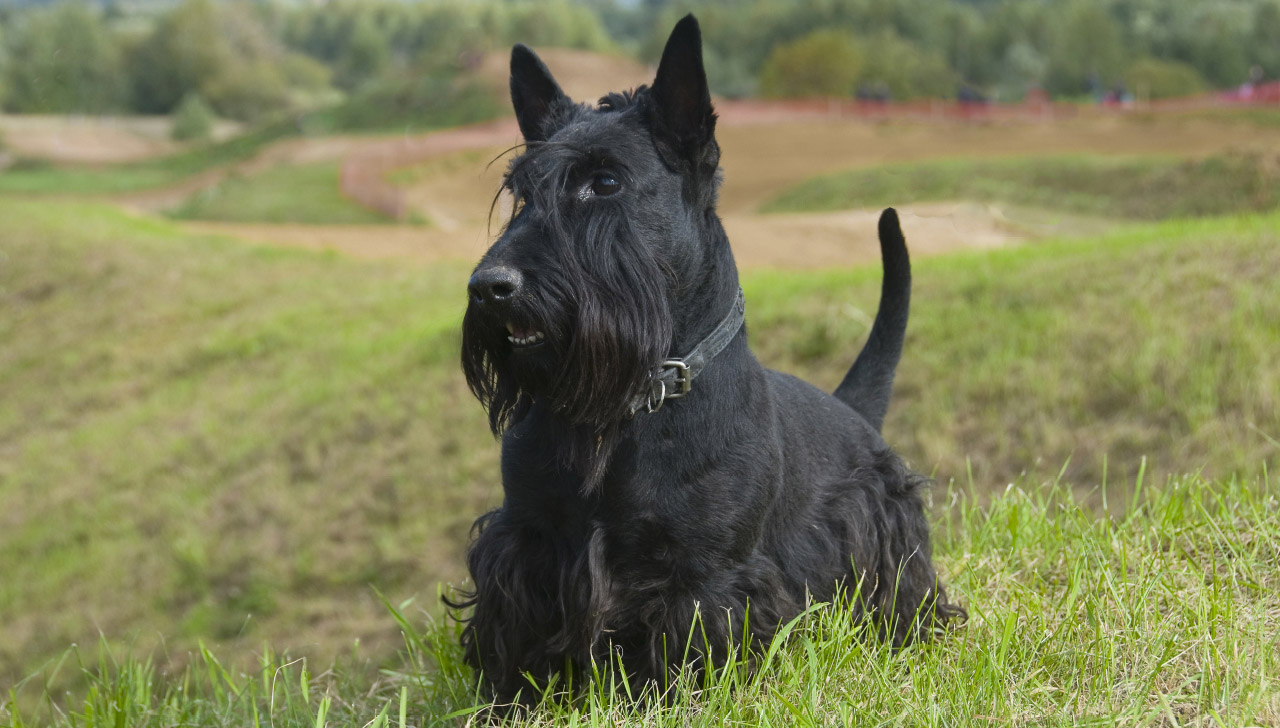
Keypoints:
(673, 378)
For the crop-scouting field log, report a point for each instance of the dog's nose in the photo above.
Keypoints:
(498, 284)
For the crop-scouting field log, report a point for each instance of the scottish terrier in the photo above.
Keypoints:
(653, 471)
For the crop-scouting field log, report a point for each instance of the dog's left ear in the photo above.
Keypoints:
(683, 121)
(534, 94)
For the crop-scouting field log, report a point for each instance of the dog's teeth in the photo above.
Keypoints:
(511, 328)
(532, 338)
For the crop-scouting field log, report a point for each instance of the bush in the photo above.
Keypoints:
(822, 63)
(248, 91)
(409, 101)
(193, 120)
(1153, 78)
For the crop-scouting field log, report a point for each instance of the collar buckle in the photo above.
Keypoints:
(683, 381)
(673, 372)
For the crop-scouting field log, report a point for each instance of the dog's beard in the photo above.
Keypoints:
(602, 305)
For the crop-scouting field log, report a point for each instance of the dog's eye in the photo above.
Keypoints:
(605, 184)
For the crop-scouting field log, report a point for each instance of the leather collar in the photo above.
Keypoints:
(673, 378)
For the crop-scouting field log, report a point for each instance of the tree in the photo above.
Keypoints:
(1086, 49)
(556, 23)
(193, 120)
(3, 60)
(247, 90)
(1153, 78)
(364, 55)
(728, 76)
(1022, 70)
(223, 52)
(180, 55)
(1266, 37)
(61, 60)
(822, 63)
(906, 70)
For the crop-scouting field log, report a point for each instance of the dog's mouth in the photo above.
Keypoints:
(525, 337)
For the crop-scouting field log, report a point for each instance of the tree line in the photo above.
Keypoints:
(377, 59)
(1000, 48)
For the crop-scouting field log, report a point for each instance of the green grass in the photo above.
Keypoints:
(1155, 340)
(1145, 188)
(1163, 616)
(415, 103)
(206, 440)
(230, 431)
(302, 193)
(448, 164)
(37, 177)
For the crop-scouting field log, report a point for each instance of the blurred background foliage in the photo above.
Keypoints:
(248, 61)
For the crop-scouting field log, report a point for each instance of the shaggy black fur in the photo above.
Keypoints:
(737, 503)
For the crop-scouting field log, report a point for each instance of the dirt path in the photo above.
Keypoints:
(80, 139)
(447, 177)
(797, 241)
(369, 242)
(287, 151)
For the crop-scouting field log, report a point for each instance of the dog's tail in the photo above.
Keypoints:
(867, 386)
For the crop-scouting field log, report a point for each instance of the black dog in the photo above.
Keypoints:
(653, 470)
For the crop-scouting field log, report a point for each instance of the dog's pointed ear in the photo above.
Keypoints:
(683, 120)
(534, 93)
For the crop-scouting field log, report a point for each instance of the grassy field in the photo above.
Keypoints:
(254, 437)
(37, 177)
(224, 429)
(1146, 188)
(1163, 617)
(296, 193)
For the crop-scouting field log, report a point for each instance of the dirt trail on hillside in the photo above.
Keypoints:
(799, 241)
(84, 139)
(453, 180)
(287, 151)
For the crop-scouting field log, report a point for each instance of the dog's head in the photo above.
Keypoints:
(572, 306)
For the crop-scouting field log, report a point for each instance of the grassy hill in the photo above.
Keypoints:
(1144, 188)
(229, 431)
(206, 440)
(1162, 617)
(298, 193)
(41, 177)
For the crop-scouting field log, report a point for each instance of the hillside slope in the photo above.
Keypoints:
(201, 439)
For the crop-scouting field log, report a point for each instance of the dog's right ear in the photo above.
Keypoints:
(534, 94)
